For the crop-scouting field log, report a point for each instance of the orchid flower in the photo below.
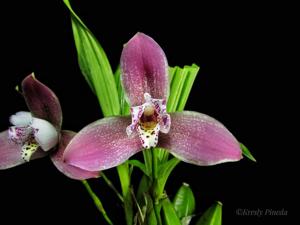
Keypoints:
(190, 136)
(38, 133)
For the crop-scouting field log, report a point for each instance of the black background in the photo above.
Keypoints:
(242, 82)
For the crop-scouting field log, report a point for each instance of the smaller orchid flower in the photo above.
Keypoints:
(190, 136)
(38, 133)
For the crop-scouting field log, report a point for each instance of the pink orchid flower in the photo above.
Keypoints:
(37, 133)
(190, 136)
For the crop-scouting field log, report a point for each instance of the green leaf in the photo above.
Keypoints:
(212, 216)
(150, 218)
(95, 66)
(184, 201)
(139, 165)
(181, 82)
(163, 155)
(247, 153)
(169, 213)
(97, 201)
(144, 187)
(125, 179)
(164, 172)
(125, 108)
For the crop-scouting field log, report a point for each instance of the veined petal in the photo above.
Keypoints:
(144, 69)
(10, 152)
(41, 101)
(102, 145)
(69, 170)
(199, 139)
(44, 133)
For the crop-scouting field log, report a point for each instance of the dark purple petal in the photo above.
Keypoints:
(199, 139)
(10, 152)
(41, 101)
(144, 69)
(69, 170)
(102, 145)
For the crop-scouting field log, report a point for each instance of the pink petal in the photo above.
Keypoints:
(199, 139)
(70, 171)
(41, 101)
(144, 69)
(10, 152)
(102, 145)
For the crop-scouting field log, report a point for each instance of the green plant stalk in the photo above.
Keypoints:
(155, 164)
(111, 185)
(147, 154)
(124, 176)
(157, 209)
(97, 202)
(123, 169)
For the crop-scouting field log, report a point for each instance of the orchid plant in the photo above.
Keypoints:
(142, 103)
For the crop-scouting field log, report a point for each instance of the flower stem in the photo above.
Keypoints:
(147, 153)
(155, 164)
(111, 185)
(157, 213)
(124, 176)
(97, 202)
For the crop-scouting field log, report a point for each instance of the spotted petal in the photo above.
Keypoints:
(144, 69)
(10, 152)
(41, 101)
(69, 170)
(199, 139)
(102, 145)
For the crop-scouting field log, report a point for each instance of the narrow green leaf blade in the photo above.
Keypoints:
(176, 86)
(139, 165)
(95, 66)
(125, 108)
(181, 82)
(247, 153)
(170, 215)
(212, 216)
(184, 201)
(144, 187)
(125, 180)
(187, 86)
(164, 172)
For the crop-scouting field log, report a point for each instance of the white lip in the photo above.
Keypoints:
(45, 133)
(21, 119)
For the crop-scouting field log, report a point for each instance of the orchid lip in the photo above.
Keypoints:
(31, 133)
(148, 120)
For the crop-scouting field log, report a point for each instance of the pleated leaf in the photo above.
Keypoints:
(212, 216)
(95, 66)
(181, 82)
